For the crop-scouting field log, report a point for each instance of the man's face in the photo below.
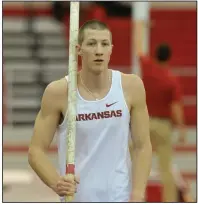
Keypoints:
(96, 49)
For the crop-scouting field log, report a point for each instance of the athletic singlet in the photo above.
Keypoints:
(102, 159)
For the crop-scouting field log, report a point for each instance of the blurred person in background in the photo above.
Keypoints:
(164, 101)
(182, 186)
(116, 9)
(61, 10)
(183, 190)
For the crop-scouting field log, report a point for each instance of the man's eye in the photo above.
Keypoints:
(91, 44)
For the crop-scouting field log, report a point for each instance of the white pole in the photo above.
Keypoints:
(141, 11)
(72, 86)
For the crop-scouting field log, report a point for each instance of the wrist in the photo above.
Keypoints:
(53, 184)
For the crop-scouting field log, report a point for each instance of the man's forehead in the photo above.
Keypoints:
(97, 34)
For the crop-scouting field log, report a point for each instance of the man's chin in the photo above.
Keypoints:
(97, 69)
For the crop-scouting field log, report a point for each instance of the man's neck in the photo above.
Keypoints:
(163, 64)
(95, 82)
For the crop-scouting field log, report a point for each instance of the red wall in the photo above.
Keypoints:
(176, 27)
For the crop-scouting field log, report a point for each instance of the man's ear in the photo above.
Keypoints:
(78, 50)
(111, 48)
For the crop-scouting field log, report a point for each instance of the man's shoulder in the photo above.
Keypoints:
(133, 86)
(56, 89)
(132, 80)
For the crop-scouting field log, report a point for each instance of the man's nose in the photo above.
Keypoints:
(99, 51)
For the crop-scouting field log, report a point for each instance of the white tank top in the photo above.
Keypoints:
(102, 159)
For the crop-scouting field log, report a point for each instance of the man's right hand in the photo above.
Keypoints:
(65, 186)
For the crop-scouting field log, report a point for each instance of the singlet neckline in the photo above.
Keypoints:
(102, 99)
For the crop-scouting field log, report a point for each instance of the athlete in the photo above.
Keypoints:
(111, 108)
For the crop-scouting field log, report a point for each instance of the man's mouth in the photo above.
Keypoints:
(98, 60)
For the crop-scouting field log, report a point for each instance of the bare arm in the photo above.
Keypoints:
(44, 129)
(139, 26)
(177, 104)
(178, 117)
(142, 150)
(178, 114)
(178, 110)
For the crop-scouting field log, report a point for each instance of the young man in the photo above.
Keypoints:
(111, 106)
(164, 101)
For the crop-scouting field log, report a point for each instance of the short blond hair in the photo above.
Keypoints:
(92, 24)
